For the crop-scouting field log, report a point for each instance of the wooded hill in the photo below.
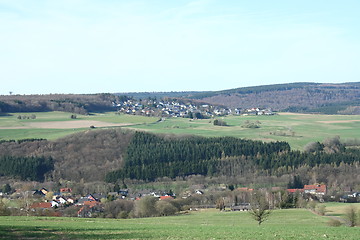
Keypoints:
(116, 154)
(87, 155)
(74, 103)
(293, 97)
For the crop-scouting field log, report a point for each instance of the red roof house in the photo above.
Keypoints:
(166, 197)
(65, 190)
(315, 189)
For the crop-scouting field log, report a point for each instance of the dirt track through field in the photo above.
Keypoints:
(68, 124)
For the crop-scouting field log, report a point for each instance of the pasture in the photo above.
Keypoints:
(339, 209)
(297, 129)
(204, 224)
(53, 125)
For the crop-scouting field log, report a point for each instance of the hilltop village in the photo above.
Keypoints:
(178, 109)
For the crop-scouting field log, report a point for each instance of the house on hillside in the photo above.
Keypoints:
(165, 197)
(44, 191)
(241, 207)
(65, 190)
(316, 189)
(89, 210)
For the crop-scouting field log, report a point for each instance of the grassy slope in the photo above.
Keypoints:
(307, 128)
(282, 224)
(19, 129)
(339, 209)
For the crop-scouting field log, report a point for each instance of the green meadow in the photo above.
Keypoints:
(54, 125)
(206, 224)
(297, 129)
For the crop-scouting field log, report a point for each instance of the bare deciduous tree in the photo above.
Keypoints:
(259, 207)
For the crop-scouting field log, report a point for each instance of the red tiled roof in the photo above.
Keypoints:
(316, 187)
(41, 205)
(90, 203)
(65, 190)
(166, 197)
(294, 190)
(245, 189)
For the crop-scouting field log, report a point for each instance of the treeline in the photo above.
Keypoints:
(254, 89)
(74, 103)
(150, 156)
(26, 168)
(283, 163)
(22, 140)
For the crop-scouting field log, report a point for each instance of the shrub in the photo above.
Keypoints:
(165, 208)
(321, 210)
(334, 223)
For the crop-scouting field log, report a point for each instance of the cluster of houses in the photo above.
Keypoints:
(316, 189)
(177, 109)
(257, 111)
(169, 109)
(89, 204)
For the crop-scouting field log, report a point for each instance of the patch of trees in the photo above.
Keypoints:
(150, 156)
(26, 168)
(86, 155)
(32, 116)
(218, 122)
(251, 124)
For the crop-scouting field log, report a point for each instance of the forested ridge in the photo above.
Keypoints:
(293, 97)
(149, 157)
(116, 154)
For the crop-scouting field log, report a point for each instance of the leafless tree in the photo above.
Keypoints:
(259, 207)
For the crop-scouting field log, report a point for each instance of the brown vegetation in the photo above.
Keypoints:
(88, 155)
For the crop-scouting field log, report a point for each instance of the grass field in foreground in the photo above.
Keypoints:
(297, 129)
(209, 224)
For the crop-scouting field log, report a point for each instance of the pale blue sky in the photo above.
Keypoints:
(94, 46)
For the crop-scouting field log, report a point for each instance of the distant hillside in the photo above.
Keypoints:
(306, 97)
(75, 103)
(293, 97)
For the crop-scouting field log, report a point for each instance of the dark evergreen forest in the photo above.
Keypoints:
(151, 156)
(26, 168)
